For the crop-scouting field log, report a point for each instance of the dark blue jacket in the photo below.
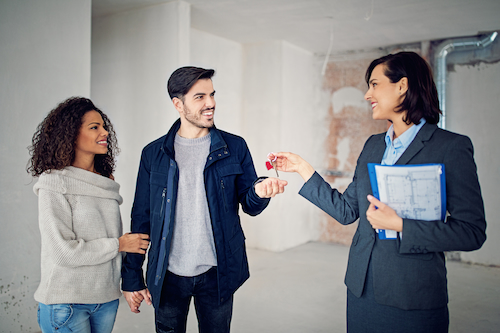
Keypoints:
(229, 177)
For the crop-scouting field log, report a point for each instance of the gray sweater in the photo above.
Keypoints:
(193, 249)
(80, 223)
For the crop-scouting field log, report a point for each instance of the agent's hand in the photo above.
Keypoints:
(133, 243)
(382, 216)
(135, 298)
(269, 187)
(289, 162)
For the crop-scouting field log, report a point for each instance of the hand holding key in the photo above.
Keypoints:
(271, 164)
(289, 162)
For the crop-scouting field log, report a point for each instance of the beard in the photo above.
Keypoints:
(197, 119)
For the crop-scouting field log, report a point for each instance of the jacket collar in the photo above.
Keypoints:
(418, 143)
(168, 144)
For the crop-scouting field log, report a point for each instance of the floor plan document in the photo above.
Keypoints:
(413, 191)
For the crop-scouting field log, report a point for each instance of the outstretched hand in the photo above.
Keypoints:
(269, 187)
(290, 162)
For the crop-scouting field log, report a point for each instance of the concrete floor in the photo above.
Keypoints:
(302, 290)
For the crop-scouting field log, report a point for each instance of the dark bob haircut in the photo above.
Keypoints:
(421, 98)
(53, 144)
(182, 79)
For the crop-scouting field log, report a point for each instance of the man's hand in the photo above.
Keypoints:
(133, 243)
(382, 216)
(269, 187)
(134, 299)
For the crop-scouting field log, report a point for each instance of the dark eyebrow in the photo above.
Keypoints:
(371, 81)
(94, 123)
(203, 94)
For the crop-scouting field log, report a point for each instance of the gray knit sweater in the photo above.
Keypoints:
(80, 223)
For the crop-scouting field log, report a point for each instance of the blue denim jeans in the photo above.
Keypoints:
(171, 314)
(77, 318)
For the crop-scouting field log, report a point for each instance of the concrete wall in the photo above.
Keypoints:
(473, 109)
(226, 57)
(133, 54)
(45, 58)
(281, 113)
(349, 124)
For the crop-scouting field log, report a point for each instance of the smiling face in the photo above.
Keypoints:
(92, 138)
(384, 95)
(197, 109)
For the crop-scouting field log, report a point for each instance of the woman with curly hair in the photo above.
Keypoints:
(73, 155)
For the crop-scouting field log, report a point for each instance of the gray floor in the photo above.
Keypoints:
(302, 290)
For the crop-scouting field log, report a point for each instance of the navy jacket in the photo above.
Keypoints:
(229, 177)
(409, 273)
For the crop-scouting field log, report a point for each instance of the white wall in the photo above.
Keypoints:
(473, 99)
(45, 58)
(133, 54)
(280, 113)
(226, 57)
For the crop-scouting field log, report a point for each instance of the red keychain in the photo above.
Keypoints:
(272, 164)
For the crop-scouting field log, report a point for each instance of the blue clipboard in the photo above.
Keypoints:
(372, 172)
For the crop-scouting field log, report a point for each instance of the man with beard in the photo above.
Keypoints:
(190, 185)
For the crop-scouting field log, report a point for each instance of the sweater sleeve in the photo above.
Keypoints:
(63, 245)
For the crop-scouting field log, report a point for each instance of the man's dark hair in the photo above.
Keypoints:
(182, 79)
(421, 98)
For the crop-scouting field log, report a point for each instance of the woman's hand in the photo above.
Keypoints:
(135, 298)
(133, 243)
(289, 162)
(382, 216)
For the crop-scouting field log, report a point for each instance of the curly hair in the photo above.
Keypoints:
(53, 144)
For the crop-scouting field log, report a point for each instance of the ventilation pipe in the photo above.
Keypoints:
(440, 69)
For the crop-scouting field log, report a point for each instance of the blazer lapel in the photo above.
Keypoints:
(417, 144)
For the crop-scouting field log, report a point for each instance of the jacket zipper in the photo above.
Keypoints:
(163, 201)
(223, 193)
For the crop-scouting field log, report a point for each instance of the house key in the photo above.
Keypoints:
(272, 165)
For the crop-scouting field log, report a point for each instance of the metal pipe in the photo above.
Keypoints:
(440, 70)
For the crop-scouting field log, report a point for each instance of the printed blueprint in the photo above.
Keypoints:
(413, 191)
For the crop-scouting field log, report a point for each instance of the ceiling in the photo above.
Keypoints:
(342, 25)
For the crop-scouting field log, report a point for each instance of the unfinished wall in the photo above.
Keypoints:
(473, 110)
(133, 54)
(45, 58)
(226, 57)
(350, 124)
(282, 112)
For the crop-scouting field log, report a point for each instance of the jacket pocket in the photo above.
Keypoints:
(417, 256)
(228, 175)
(158, 179)
(236, 242)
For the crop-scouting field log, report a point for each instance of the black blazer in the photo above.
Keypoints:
(409, 273)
